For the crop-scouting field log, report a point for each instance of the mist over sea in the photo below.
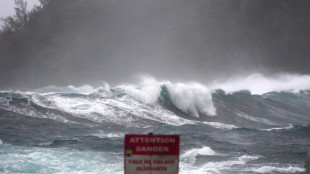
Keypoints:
(231, 77)
(250, 125)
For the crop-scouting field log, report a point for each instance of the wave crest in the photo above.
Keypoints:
(191, 98)
(260, 84)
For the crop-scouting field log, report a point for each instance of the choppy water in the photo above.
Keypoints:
(81, 130)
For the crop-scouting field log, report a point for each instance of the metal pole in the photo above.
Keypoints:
(307, 165)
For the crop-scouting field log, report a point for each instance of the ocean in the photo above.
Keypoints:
(224, 128)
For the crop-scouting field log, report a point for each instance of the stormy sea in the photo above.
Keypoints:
(248, 126)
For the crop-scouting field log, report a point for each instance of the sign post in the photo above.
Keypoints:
(152, 154)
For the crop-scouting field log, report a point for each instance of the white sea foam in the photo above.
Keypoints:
(119, 110)
(192, 98)
(290, 126)
(248, 117)
(20, 159)
(259, 84)
(217, 167)
(272, 169)
(190, 155)
(189, 169)
(48, 143)
(27, 110)
(227, 164)
(147, 92)
(220, 125)
(141, 101)
(102, 134)
(246, 158)
(1, 142)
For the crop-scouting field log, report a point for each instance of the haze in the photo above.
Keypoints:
(76, 42)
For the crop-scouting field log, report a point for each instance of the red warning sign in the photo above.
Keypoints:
(152, 154)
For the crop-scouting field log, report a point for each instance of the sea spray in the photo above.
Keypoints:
(80, 130)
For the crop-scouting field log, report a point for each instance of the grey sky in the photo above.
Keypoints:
(7, 7)
(178, 40)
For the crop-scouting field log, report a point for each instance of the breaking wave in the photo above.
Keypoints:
(154, 102)
(259, 84)
(253, 126)
(190, 155)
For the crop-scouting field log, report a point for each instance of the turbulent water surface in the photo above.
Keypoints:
(81, 130)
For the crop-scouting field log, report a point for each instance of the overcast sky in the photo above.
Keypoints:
(7, 7)
(177, 40)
